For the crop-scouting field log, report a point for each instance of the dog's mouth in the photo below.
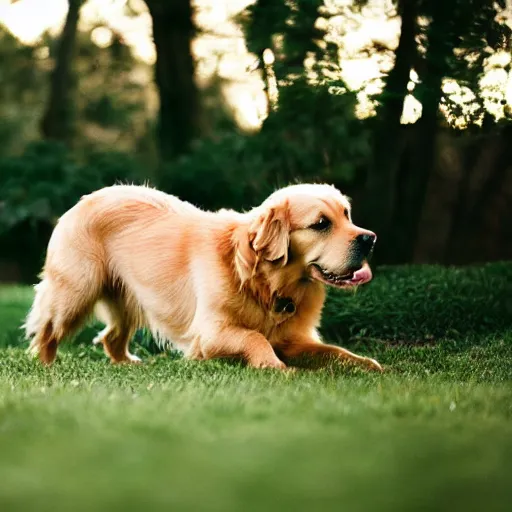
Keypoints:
(353, 277)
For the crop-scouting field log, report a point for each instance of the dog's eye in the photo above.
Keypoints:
(346, 213)
(322, 224)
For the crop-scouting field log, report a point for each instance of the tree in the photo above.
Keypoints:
(454, 43)
(391, 136)
(459, 38)
(286, 28)
(57, 122)
(179, 115)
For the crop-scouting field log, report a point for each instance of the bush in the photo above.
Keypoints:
(220, 174)
(298, 142)
(422, 304)
(39, 186)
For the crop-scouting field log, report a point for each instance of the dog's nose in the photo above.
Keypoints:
(366, 242)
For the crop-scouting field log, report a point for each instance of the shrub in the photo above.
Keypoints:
(227, 173)
(298, 142)
(39, 186)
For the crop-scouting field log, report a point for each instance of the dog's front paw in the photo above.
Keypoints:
(269, 363)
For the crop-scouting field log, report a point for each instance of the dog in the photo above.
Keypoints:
(211, 284)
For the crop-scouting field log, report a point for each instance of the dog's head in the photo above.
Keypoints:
(307, 231)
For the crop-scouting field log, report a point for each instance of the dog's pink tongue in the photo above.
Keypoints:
(363, 275)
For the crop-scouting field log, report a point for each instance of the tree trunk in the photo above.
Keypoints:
(440, 45)
(481, 157)
(57, 122)
(390, 138)
(173, 31)
(497, 175)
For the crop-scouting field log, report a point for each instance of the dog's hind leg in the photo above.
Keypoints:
(61, 305)
(118, 331)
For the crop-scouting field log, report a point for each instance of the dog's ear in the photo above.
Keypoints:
(269, 234)
(267, 239)
(245, 257)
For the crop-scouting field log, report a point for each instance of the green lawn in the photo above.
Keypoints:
(434, 432)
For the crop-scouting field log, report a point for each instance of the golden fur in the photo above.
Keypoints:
(204, 282)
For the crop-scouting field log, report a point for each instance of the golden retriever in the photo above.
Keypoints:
(221, 284)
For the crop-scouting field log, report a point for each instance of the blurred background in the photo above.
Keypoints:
(404, 105)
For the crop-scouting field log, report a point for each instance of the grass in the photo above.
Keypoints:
(434, 432)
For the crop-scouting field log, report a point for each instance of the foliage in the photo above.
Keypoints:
(298, 142)
(228, 173)
(471, 35)
(287, 28)
(314, 145)
(18, 77)
(109, 99)
(40, 185)
(20, 72)
(45, 181)
(424, 304)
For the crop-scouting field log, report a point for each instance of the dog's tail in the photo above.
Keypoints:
(38, 321)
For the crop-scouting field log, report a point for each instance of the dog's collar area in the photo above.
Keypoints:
(284, 305)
